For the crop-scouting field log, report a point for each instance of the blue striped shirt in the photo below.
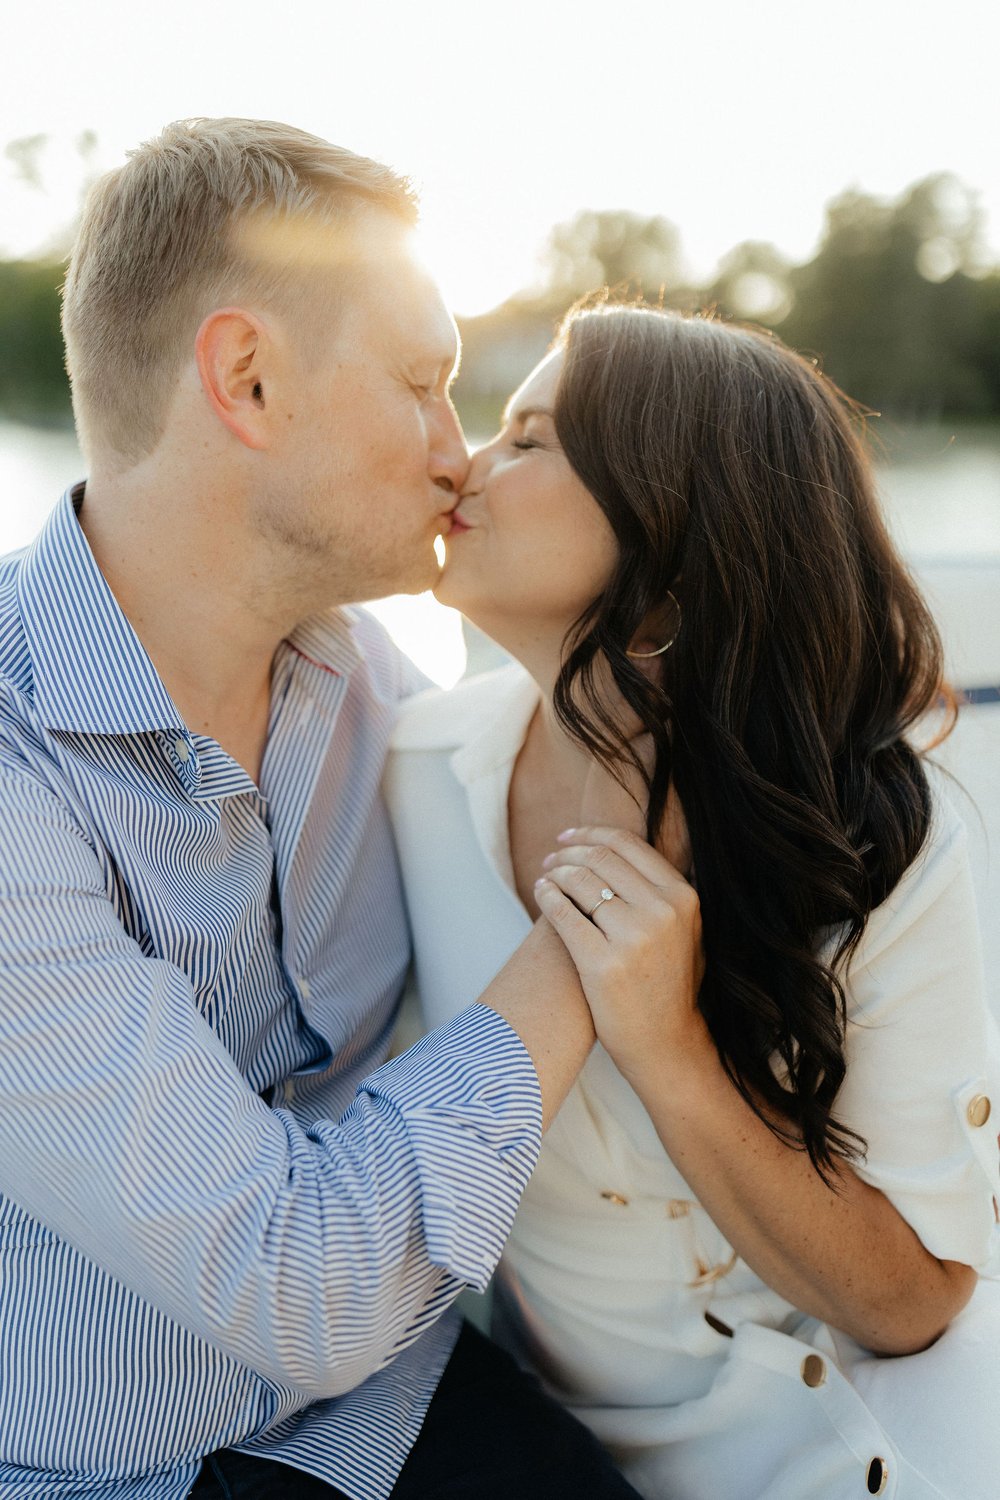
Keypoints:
(183, 1267)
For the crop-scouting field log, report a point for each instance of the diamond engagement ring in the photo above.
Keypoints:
(607, 894)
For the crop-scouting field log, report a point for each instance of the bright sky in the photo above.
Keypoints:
(734, 120)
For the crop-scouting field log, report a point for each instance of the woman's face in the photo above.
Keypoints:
(529, 547)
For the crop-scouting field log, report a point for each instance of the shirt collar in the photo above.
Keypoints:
(326, 641)
(91, 672)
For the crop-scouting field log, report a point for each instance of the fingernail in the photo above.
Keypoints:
(567, 833)
(540, 881)
(549, 859)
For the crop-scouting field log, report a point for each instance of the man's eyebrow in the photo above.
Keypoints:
(524, 412)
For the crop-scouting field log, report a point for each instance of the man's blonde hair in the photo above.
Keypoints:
(209, 212)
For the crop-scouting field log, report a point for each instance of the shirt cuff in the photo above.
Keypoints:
(953, 1203)
(469, 1098)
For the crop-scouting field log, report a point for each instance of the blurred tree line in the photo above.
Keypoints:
(900, 305)
(33, 383)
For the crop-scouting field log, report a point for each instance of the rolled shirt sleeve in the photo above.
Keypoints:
(456, 1119)
(923, 1084)
(313, 1254)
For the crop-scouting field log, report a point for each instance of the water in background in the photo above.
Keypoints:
(38, 464)
(941, 493)
(942, 500)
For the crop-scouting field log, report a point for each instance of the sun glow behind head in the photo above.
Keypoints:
(430, 633)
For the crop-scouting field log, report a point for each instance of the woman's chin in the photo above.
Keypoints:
(467, 602)
(465, 590)
(441, 592)
(448, 591)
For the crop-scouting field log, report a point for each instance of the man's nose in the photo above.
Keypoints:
(449, 456)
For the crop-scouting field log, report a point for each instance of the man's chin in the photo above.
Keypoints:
(419, 580)
(411, 576)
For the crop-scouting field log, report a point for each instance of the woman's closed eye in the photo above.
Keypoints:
(533, 434)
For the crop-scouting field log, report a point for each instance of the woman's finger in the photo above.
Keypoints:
(634, 850)
(592, 896)
(583, 940)
(610, 869)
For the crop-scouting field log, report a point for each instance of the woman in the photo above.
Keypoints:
(780, 1163)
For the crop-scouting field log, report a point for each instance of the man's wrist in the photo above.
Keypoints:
(538, 994)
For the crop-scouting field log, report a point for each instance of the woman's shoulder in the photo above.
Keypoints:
(942, 855)
(446, 719)
(934, 894)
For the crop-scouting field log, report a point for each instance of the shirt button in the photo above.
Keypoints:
(304, 989)
(878, 1476)
(615, 1198)
(813, 1371)
(182, 749)
(978, 1111)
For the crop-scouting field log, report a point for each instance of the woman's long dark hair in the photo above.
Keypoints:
(733, 477)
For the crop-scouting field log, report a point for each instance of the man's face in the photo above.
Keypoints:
(372, 458)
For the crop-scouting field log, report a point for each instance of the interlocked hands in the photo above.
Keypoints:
(639, 955)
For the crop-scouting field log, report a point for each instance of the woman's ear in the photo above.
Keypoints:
(231, 348)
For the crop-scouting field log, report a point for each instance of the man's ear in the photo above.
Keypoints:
(230, 350)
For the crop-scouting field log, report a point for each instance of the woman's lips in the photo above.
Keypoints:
(458, 525)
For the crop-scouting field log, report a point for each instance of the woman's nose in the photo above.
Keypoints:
(479, 466)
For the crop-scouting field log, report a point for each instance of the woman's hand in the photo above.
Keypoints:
(639, 954)
(842, 1253)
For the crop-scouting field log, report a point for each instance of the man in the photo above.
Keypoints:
(229, 1235)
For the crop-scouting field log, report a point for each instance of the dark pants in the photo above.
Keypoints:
(490, 1433)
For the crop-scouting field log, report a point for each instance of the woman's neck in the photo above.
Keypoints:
(545, 796)
(548, 746)
(552, 777)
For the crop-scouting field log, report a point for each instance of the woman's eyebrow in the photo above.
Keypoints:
(523, 413)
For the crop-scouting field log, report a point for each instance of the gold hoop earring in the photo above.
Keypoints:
(644, 655)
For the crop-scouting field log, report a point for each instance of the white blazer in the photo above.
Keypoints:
(612, 1265)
